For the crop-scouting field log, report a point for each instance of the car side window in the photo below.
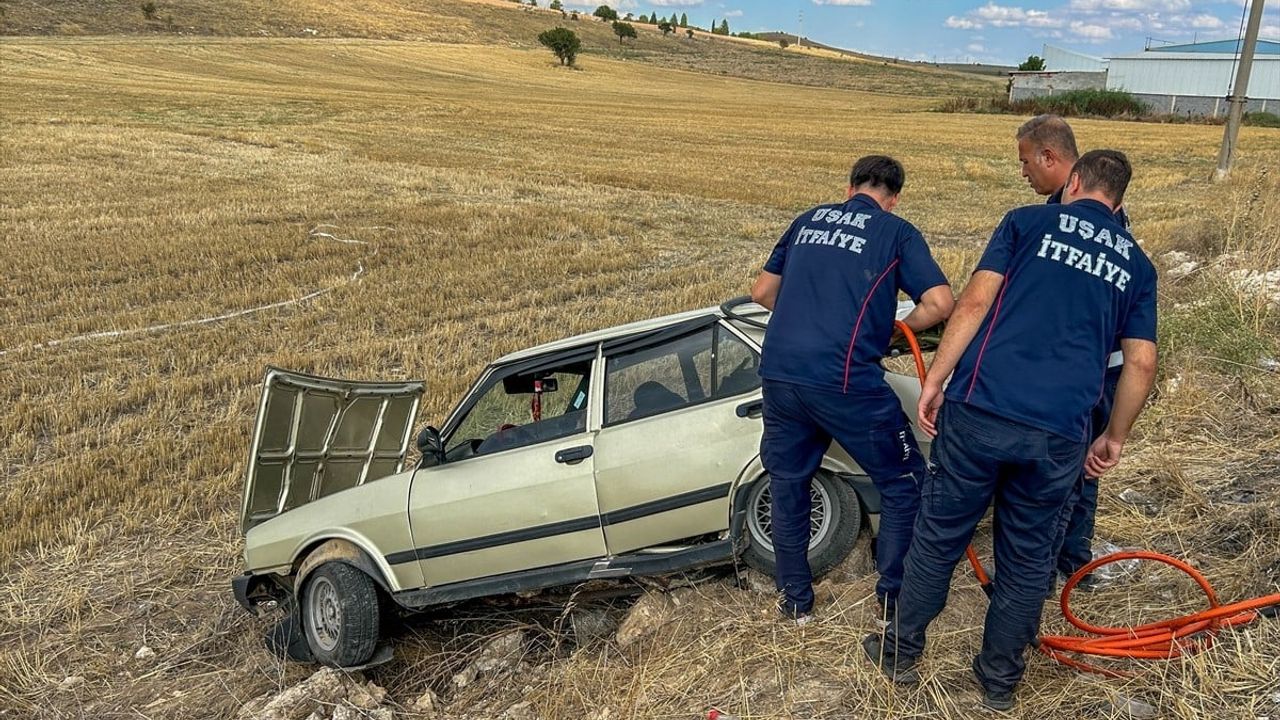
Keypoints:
(520, 409)
(706, 364)
(737, 365)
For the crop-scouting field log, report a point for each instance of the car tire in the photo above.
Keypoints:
(340, 615)
(836, 523)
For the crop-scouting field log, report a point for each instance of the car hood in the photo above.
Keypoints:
(316, 436)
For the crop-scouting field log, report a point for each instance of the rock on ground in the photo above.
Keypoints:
(646, 616)
(312, 699)
(499, 654)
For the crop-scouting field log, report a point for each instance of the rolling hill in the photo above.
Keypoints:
(481, 22)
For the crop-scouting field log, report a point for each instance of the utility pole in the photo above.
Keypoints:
(1239, 94)
(800, 35)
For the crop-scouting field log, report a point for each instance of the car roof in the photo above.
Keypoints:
(748, 309)
(618, 331)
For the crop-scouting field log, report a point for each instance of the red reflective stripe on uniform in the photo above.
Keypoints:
(978, 365)
(848, 358)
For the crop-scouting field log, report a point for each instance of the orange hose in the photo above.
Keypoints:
(1160, 640)
(916, 353)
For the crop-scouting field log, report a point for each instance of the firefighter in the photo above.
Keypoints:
(832, 282)
(1028, 344)
(1047, 151)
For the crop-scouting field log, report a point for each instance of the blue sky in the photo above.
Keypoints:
(972, 30)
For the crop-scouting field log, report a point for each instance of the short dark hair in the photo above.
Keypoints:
(1105, 171)
(878, 171)
(1050, 131)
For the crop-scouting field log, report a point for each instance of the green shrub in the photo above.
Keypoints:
(149, 10)
(1098, 103)
(1262, 119)
(1076, 103)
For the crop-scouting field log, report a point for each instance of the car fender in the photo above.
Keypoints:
(340, 550)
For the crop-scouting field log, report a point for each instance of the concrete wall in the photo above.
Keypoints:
(1028, 85)
(1198, 105)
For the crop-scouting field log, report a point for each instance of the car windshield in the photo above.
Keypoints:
(515, 410)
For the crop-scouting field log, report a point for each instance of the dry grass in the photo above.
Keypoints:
(505, 201)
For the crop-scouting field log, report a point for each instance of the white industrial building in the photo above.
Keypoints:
(1195, 79)
(1192, 79)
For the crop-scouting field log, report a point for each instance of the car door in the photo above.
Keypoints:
(677, 429)
(316, 436)
(516, 490)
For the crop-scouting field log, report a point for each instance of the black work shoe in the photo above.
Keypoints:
(898, 669)
(991, 699)
(1000, 701)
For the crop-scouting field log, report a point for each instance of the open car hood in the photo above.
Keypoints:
(316, 436)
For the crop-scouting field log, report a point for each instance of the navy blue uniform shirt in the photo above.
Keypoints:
(1074, 284)
(1122, 217)
(842, 267)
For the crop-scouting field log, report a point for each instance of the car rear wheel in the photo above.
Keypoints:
(834, 523)
(340, 615)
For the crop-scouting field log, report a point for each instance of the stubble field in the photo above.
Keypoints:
(439, 205)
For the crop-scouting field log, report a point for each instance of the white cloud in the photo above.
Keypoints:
(975, 47)
(1131, 5)
(859, 3)
(962, 23)
(1091, 31)
(1098, 20)
(733, 13)
(674, 3)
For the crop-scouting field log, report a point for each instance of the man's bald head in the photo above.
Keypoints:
(1047, 150)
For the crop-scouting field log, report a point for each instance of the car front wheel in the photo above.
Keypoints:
(340, 615)
(834, 523)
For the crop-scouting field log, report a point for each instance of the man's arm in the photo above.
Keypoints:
(970, 310)
(765, 289)
(1136, 379)
(935, 306)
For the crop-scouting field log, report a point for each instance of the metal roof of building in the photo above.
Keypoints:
(1265, 47)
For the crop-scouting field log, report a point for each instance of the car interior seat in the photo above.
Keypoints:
(652, 397)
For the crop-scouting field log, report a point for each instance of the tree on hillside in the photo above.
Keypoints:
(666, 27)
(149, 10)
(689, 32)
(1034, 63)
(724, 26)
(624, 30)
(784, 43)
(644, 19)
(713, 26)
(628, 17)
(606, 13)
(563, 42)
(684, 20)
(556, 5)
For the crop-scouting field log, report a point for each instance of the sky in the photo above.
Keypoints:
(983, 31)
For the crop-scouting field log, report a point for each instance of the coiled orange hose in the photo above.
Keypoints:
(1154, 641)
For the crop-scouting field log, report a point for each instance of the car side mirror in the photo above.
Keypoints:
(430, 445)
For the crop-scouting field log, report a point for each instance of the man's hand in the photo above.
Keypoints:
(1103, 455)
(927, 408)
(765, 290)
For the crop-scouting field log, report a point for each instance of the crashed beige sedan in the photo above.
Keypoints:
(630, 451)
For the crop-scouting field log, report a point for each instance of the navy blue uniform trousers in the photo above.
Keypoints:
(1030, 473)
(1074, 545)
(799, 424)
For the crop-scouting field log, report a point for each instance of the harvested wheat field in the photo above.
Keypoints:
(178, 212)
